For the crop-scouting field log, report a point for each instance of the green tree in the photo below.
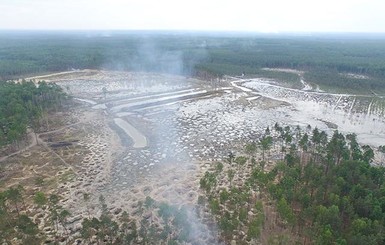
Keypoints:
(285, 211)
(241, 161)
(230, 175)
(28, 229)
(368, 154)
(231, 157)
(14, 195)
(219, 167)
(251, 149)
(40, 199)
(337, 148)
(265, 143)
(355, 151)
(149, 202)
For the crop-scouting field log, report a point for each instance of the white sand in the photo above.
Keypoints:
(140, 141)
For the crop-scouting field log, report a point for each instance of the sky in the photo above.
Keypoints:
(272, 16)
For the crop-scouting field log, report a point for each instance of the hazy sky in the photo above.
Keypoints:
(229, 15)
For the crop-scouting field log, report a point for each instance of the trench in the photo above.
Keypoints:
(139, 140)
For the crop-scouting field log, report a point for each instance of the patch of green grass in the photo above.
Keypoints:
(67, 176)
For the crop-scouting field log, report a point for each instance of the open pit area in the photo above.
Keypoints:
(133, 135)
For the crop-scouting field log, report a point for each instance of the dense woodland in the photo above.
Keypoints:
(26, 105)
(324, 189)
(325, 58)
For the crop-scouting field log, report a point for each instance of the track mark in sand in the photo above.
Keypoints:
(253, 98)
(338, 101)
(57, 155)
(164, 105)
(35, 140)
(240, 87)
(87, 101)
(140, 141)
(369, 108)
(306, 86)
(351, 107)
(152, 96)
(166, 99)
(32, 144)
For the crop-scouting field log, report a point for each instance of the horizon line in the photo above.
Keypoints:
(190, 30)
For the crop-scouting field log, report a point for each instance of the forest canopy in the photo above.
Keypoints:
(325, 190)
(24, 105)
(327, 59)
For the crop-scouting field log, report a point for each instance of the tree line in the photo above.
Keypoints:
(26, 105)
(324, 188)
(323, 58)
(333, 195)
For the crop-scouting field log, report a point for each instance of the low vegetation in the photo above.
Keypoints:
(45, 221)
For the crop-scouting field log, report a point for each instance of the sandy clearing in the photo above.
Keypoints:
(187, 137)
(257, 83)
(58, 74)
(153, 96)
(150, 101)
